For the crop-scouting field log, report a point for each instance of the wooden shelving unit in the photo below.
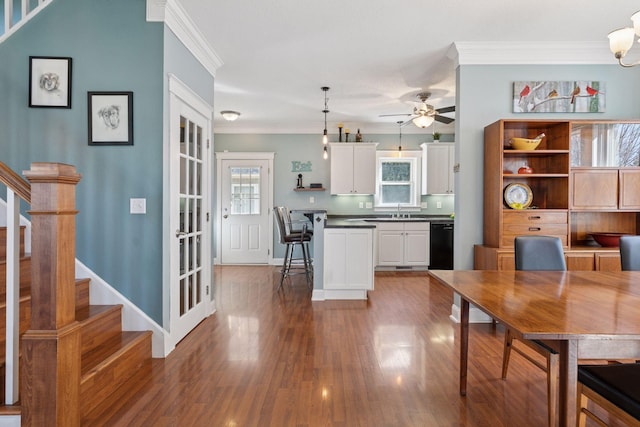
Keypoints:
(571, 199)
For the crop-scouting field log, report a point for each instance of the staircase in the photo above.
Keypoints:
(113, 363)
(11, 19)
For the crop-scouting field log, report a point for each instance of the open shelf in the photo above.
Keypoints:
(309, 189)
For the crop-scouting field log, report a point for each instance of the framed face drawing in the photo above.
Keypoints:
(110, 118)
(49, 82)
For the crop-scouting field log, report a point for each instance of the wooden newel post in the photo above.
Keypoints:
(51, 346)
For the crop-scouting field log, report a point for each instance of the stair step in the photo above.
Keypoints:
(106, 368)
(3, 241)
(82, 293)
(25, 274)
(100, 323)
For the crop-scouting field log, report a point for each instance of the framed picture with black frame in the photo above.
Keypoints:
(49, 82)
(110, 118)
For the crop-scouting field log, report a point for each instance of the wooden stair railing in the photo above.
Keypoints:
(15, 182)
(17, 188)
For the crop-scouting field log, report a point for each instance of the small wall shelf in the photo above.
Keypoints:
(309, 189)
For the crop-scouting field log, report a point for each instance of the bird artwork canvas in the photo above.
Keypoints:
(581, 96)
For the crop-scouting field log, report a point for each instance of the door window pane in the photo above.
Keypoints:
(245, 191)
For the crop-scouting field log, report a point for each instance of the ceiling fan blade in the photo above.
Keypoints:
(446, 109)
(406, 123)
(392, 115)
(443, 119)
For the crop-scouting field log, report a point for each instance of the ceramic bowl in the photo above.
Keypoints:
(609, 240)
(524, 143)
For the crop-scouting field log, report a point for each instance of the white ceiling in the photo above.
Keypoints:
(375, 55)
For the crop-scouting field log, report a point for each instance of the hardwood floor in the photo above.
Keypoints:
(267, 358)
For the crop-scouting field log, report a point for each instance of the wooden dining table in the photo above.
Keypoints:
(580, 314)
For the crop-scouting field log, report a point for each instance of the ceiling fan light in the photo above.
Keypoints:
(423, 121)
(230, 115)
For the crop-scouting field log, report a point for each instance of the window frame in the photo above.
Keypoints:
(414, 158)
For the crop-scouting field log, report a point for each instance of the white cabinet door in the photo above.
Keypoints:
(403, 243)
(390, 244)
(416, 244)
(437, 171)
(348, 258)
(353, 168)
(341, 168)
(364, 168)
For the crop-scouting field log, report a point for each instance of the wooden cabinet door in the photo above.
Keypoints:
(630, 189)
(594, 189)
(608, 261)
(580, 261)
(507, 261)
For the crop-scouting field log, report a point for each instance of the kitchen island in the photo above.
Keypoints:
(346, 251)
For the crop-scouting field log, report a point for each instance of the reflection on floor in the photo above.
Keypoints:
(276, 358)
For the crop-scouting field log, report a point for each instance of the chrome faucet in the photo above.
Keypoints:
(398, 211)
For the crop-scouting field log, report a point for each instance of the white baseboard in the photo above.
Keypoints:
(133, 319)
(475, 315)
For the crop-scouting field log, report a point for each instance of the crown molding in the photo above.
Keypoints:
(532, 53)
(176, 18)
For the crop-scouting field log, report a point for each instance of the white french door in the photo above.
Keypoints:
(244, 188)
(190, 236)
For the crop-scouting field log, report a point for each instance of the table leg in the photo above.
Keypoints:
(464, 344)
(568, 387)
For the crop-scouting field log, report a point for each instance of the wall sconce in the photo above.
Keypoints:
(230, 115)
(621, 40)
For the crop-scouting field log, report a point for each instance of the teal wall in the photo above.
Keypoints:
(308, 147)
(113, 49)
(484, 95)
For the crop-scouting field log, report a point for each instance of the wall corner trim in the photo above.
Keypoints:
(180, 23)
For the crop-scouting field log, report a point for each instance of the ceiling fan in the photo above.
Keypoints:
(425, 114)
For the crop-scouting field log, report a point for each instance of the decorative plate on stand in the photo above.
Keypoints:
(518, 195)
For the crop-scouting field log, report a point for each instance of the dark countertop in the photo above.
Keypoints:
(369, 221)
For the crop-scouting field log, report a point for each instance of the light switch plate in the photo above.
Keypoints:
(369, 205)
(138, 206)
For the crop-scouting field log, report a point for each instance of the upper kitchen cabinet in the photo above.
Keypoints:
(353, 168)
(437, 168)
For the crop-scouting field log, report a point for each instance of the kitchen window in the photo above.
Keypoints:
(397, 180)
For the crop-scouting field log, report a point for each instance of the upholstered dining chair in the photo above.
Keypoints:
(630, 252)
(614, 388)
(537, 253)
(292, 239)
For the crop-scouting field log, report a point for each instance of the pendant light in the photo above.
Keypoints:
(400, 138)
(325, 138)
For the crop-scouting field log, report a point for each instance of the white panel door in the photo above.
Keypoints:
(244, 211)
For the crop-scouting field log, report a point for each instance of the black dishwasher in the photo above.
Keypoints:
(441, 246)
